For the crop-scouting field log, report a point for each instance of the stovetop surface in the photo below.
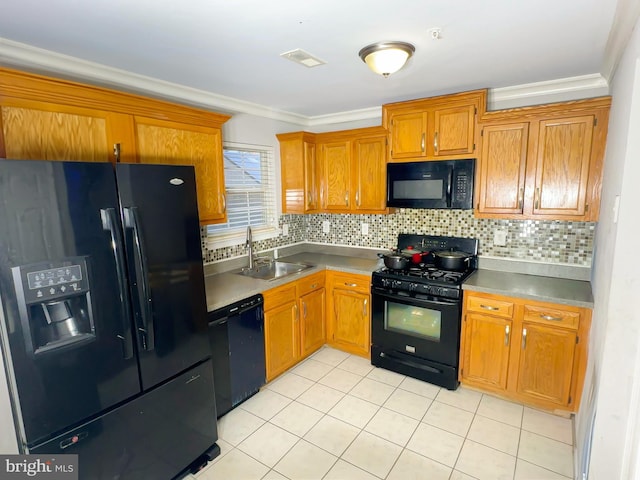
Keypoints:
(425, 273)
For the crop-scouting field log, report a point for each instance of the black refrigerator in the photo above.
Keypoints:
(103, 316)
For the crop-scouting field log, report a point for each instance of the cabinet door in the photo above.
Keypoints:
(502, 168)
(312, 316)
(46, 131)
(174, 143)
(454, 130)
(562, 166)
(486, 350)
(336, 173)
(350, 323)
(546, 363)
(408, 134)
(370, 179)
(311, 177)
(282, 337)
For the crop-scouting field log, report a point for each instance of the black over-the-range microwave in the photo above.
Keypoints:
(431, 184)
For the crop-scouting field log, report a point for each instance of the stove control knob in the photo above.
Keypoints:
(413, 287)
(396, 283)
(385, 282)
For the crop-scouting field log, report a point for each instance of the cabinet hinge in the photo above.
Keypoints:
(595, 122)
(482, 132)
(577, 339)
(475, 110)
(586, 207)
(569, 398)
(474, 146)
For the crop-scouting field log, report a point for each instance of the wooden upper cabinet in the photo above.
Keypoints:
(41, 131)
(408, 134)
(562, 166)
(52, 119)
(174, 143)
(299, 172)
(454, 131)
(502, 171)
(543, 162)
(434, 128)
(335, 184)
(370, 174)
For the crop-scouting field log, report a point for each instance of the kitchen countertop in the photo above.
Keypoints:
(546, 289)
(225, 288)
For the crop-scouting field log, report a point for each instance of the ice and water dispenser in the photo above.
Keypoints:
(54, 301)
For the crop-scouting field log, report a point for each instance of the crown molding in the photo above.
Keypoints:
(624, 21)
(19, 55)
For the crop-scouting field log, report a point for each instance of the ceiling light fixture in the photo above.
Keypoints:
(386, 58)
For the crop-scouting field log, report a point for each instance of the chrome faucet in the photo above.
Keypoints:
(249, 246)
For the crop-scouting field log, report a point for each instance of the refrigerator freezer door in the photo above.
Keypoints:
(164, 253)
(66, 328)
(155, 436)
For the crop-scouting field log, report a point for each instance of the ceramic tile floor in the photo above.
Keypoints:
(335, 417)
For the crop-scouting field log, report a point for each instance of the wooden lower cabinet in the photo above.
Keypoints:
(528, 351)
(349, 312)
(294, 316)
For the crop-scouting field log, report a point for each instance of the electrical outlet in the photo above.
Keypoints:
(365, 228)
(500, 238)
(285, 229)
(326, 226)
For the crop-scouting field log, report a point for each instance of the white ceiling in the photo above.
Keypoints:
(231, 48)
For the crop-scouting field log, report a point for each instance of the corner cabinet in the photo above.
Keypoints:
(52, 119)
(528, 351)
(334, 172)
(434, 128)
(543, 162)
(349, 312)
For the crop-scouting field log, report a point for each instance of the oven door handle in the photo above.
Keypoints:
(416, 299)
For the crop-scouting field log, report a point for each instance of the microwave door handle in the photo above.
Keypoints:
(449, 187)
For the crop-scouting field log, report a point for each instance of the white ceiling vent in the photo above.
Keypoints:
(303, 58)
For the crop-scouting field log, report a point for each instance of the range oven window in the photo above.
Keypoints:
(431, 189)
(413, 320)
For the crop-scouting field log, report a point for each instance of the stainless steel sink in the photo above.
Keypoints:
(273, 270)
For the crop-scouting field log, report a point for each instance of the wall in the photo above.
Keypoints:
(610, 397)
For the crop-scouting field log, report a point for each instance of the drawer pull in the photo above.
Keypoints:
(489, 307)
(351, 284)
(524, 338)
(507, 330)
(304, 310)
(550, 318)
(364, 308)
(297, 313)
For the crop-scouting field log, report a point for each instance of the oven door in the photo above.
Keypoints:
(419, 325)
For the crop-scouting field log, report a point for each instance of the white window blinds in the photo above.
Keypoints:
(249, 188)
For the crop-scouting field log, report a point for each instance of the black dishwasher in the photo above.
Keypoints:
(236, 334)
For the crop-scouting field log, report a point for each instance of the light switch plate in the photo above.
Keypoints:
(365, 228)
(285, 229)
(500, 238)
(326, 226)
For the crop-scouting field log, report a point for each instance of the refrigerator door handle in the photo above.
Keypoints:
(145, 329)
(110, 224)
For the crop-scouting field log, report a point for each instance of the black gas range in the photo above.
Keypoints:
(416, 311)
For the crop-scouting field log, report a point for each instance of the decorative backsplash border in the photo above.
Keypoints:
(548, 241)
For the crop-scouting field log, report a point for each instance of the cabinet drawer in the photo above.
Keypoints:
(490, 306)
(310, 283)
(551, 316)
(349, 281)
(279, 295)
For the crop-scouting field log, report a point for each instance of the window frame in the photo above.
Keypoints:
(271, 229)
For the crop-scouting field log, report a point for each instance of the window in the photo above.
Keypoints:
(250, 195)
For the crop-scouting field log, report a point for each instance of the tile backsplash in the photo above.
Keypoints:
(549, 241)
